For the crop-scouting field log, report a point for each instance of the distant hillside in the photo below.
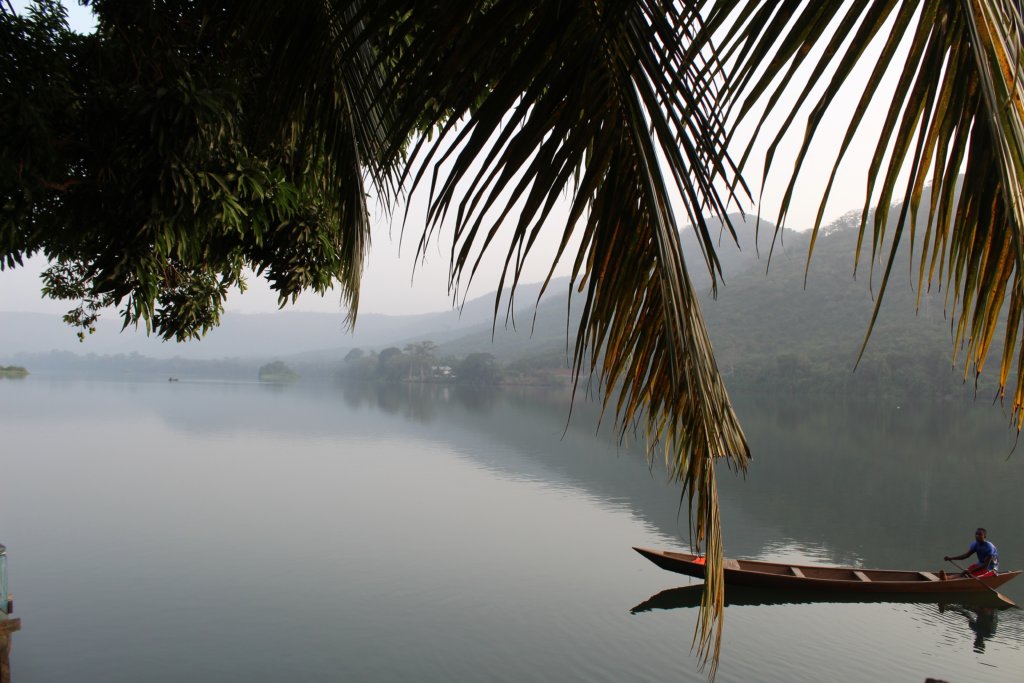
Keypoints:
(319, 340)
(539, 336)
(770, 333)
(315, 336)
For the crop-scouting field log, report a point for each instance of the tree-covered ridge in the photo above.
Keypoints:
(773, 334)
(13, 371)
(421, 362)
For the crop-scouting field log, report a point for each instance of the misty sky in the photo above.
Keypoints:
(395, 283)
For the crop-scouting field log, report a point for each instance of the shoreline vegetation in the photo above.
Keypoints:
(773, 338)
(13, 371)
(798, 374)
(420, 363)
(277, 373)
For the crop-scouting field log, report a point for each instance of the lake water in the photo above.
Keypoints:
(219, 532)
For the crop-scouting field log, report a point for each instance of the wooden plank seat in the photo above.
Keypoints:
(929, 576)
(731, 564)
(796, 572)
(862, 576)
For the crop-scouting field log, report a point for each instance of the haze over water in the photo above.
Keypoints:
(222, 532)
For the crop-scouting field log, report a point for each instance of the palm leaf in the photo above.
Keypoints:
(319, 89)
(510, 106)
(603, 104)
(957, 106)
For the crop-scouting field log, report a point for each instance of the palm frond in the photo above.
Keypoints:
(957, 106)
(603, 104)
(512, 107)
(320, 103)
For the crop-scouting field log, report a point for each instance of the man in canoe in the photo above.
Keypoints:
(988, 556)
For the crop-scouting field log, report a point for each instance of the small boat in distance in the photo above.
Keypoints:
(841, 579)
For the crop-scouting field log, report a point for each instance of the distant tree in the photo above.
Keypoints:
(277, 371)
(478, 368)
(392, 364)
(13, 371)
(359, 365)
(428, 348)
(388, 354)
(421, 358)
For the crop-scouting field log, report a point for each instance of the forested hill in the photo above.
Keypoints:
(541, 336)
(771, 334)
(251, 337)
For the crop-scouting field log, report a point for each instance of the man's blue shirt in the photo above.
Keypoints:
(986, 551)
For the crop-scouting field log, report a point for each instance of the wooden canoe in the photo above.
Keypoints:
(840, 579)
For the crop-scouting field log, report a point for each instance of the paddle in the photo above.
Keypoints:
(999, 595)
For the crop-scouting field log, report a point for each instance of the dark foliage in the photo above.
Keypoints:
(151, 168)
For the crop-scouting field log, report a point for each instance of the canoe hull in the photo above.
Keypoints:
(839, 579)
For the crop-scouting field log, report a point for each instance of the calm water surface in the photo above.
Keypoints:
(239, 532)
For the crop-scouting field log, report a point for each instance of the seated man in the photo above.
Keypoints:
(988, 556)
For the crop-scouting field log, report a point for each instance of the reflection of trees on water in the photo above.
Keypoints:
(354, 394)
(277, 388)
(883, 484)
(864, 483)
(861, 483)
(418, 401)
(475, 399)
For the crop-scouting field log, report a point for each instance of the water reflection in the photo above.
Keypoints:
(981, 620)
(835, 483)
(420, 402)
(876, 484)
(519, 525)
(980, 610)
(746, 596)
(842, 483)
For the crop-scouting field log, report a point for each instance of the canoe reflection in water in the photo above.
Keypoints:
(980, 609)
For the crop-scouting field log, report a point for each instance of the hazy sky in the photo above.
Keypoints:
(394, 283)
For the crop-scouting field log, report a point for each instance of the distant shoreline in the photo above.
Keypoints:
(13, 371)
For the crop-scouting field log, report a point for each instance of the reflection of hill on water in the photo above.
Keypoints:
(890, 486)
(418, 401)
(865, 483)
(872, 485)
(868, 484)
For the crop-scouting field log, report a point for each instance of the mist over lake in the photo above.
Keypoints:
(213, 469)
(240, 531)
(414, 527)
